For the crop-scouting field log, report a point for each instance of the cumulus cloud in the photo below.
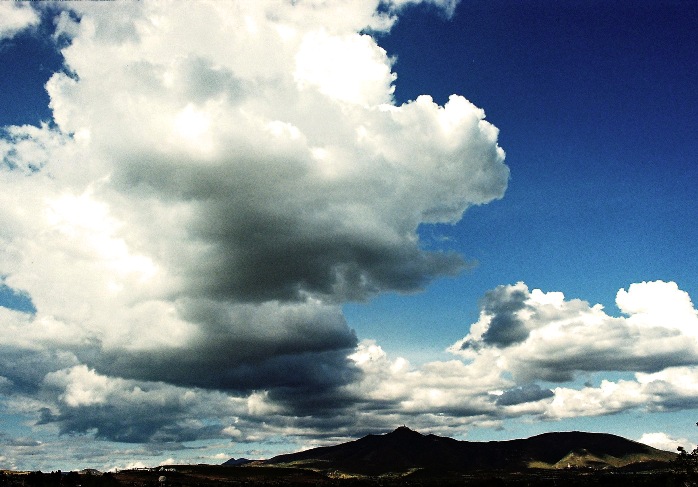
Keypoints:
(672, 389)
(502, 307)
(656, 340)
(213, 186)
(557, 338)
(15, 17)
(523, 394)
(442, 397)
(112, 408)
(663, 441)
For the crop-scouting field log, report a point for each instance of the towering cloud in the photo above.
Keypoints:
(218, 178)
(216, 181)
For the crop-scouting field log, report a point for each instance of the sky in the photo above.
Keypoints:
(237, 229)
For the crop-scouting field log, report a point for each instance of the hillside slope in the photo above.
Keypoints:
(403, 450)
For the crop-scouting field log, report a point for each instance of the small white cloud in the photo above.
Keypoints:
(662, 441)
(232, 431)
(258, 404)
(66, 26)
(83, 387)
(448, 6)
(15, 17)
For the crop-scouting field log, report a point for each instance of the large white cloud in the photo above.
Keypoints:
(218, 178)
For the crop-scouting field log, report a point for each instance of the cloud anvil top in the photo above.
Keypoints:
(212, 186)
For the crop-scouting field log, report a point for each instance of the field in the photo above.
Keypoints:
(211, 475)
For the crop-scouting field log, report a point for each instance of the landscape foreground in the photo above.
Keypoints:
(406, 457)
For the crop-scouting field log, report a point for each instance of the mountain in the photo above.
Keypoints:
(233, 462)
(405, 450)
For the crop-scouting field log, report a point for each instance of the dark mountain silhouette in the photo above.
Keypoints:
(233, 462)
(404, 450)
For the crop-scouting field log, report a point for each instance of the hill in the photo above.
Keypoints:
(405, 450)
(233, 462)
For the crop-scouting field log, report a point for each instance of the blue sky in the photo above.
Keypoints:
(597, 111)
(208, 255)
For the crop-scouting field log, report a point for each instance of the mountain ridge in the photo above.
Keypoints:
(404, 450)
